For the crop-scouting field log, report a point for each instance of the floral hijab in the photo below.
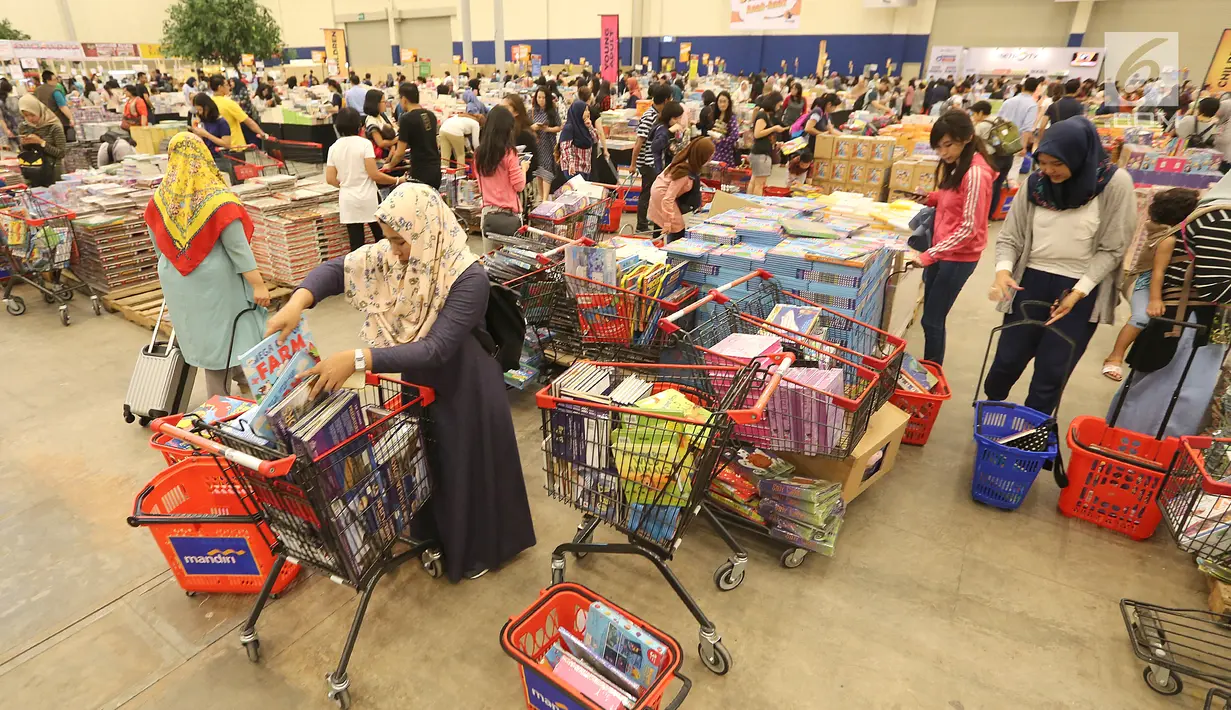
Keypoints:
(402, 301)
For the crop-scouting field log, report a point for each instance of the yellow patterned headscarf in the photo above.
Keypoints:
(192, 205)
(402, 301)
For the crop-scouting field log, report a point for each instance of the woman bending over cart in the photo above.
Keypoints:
(424, 296)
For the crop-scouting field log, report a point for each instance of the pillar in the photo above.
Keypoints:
(1081, 19)
(464, 17)
(636, 21)
(394, 47)
(498, 17)
(70, 31)
(914, 27)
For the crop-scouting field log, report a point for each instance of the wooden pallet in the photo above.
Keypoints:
(140, 304)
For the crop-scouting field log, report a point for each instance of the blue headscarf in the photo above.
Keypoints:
(575, 129)
(473, 105)
(1074, 142)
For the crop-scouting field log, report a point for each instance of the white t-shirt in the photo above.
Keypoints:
(463, 127)
(1191, 125)
(1064, 242)
(357, 193)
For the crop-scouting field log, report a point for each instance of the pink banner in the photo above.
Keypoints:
(609, 48)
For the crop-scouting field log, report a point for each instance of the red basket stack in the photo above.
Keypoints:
(1115, 475)
(923, 407)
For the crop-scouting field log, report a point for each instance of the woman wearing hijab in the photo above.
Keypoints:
(634, 92)
(1062, 245)
(205, 265)
(424, 298)
(677, 190)
(474, 106)
(578, 138)
(42, 130)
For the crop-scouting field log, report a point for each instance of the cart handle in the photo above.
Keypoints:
(265, 468)
(546, 257)
(714, 296)
(784, 361)
(140, 517)
(679, 697)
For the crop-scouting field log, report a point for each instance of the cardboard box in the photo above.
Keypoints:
(822, 169)
(839, 170)
(857, 174)
(877, 175)
(1220, 595)
(874, 193)
(825, 146)
(925, 177)
(858, 472)
(844, 147)
(902, 175)
(863, 149)
(882, 150)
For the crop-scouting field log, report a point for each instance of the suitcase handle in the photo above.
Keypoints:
(265, 468)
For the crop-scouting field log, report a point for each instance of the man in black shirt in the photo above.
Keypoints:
(1067, 106)
(417, 133)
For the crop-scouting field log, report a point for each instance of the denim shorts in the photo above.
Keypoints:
(1139, 300)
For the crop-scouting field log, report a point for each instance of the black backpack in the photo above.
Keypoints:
(506, 327)
(37, 168)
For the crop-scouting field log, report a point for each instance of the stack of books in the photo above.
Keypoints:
(711, 231)
(115, 250)
(509, 262)
(293, 236)
(735, 488)
(805, 512)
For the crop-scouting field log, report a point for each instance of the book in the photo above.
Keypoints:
(265, 360)
(337, 419)
(291, 375)
(583, 652)
(623, 644)
(297, 404)
(586, 681)
(798, 319)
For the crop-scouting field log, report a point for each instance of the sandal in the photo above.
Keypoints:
(1113, 371)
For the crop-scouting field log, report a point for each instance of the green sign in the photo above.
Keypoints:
(425, 69)
(361, 17)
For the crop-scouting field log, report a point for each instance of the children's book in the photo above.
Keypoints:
(266, 359)
(288, 378)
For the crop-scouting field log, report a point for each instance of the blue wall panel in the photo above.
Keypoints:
(1075, 40)
(746, 53)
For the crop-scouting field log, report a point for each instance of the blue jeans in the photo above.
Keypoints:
(942, 282)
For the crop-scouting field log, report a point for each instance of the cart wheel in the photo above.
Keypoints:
(143, 421)
(725, 580)
(585, 541)
(15, 306)
(190, 595)
(720, 662)
(432, 564)
(557, 570)
(97, 305)
(48, 298)
(342, 698)
(1173, 687)
(65, 293)
(793, 557)
(253, 648)
(64, 318)
(129, 418)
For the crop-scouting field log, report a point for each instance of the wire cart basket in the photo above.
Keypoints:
(1218, 699)
(1178, 642)
(342, 512)
(36, 247)
(249, 162)
(583, 222)
(1195, 499)
(729, 179)
(625, 321)
(291, 153)
(646, 474)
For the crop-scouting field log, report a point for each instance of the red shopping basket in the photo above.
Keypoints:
(1115, 474)
(172, 449)
(526, 638)
(923, 407)
(213, 540)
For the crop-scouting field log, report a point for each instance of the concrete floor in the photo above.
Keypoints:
(932, 600)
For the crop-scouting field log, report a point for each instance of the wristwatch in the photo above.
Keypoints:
(360, 363)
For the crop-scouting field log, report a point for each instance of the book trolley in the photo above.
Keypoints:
(625, 323)
(332, 512)
(36, 248)
(646, 474)
(582, 222)
(1178, 642)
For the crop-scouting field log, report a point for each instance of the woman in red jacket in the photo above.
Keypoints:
(962, 199)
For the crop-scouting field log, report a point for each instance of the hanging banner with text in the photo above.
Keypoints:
(765, 14)
(944, 61)
(335, 48)
(109, 50)
(1219, 76)
(33, 49)
(609, 48)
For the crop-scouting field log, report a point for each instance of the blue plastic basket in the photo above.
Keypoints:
(1003, 474)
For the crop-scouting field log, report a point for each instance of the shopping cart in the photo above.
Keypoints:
(249, 162)
(37, 247)
(851, 340)
(528, 636)
(1003, 473)
(300, 157)
(726, 178)
(1195, 499)
(625, 320)
(581, 222)
(1176, 642)
(1115, 473)
(1218, 699)
(210, 536)
(646, 474)
(342, 512)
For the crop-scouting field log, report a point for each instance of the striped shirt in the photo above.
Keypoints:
(1209, 238)
(644, 126)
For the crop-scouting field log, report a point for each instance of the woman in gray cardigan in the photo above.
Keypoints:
(1062, 244)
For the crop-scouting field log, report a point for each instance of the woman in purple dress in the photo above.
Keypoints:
(725, 132)
(425, 296)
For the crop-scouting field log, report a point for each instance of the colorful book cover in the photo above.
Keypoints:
(290, 376)
(579, 649)
(266, 359)
(623, 644)
(797, 319)
(580, 677)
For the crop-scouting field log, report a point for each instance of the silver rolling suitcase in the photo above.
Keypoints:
(161, 381)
